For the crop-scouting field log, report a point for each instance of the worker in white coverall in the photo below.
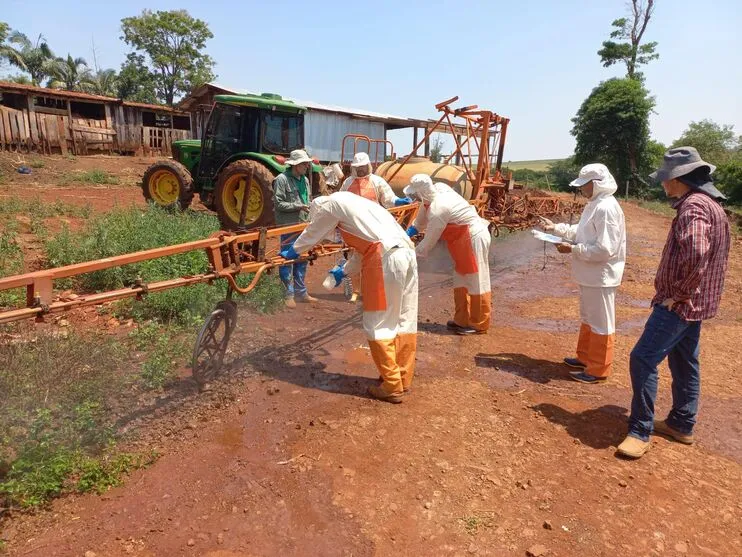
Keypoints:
(366, 184)
(598, 247)
(386, 256)
(363, 182)
(445, 215)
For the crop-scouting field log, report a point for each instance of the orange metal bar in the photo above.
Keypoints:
(222, 247)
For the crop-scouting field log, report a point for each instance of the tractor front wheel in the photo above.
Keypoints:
(168, 184)
(231, 188)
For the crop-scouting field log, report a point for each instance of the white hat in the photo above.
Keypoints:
(360, 159)
(421, 185)
(297, 157)
(589, 172)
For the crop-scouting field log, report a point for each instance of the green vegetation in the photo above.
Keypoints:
(57, 425)
(37, 163)
(165, 348)
(625, 45)
(11, 263)
(95, 176)
(535, 165)
(133, 229)
(39, 209)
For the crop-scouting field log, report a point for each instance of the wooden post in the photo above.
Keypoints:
(458, 152)
(627, 189)
(33, 131)
(72, 130)
(427, 147)
(414, 139)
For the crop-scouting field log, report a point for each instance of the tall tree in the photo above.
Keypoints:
(103, 82)
(7, 51)
(612, 127)
(35, 57)
(173, 42)
(629, 32)
(69, 73)
(716, 143)
(135, 82)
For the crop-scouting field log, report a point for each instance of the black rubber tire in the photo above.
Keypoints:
(185, 183)
(264, 178)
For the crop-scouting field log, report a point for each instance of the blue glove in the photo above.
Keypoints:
(289, 253)
(402, 201)
(338, 273)
(412, 231)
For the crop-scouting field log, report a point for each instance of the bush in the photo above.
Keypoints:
(728, 178)
(11, 263)
(134, 229)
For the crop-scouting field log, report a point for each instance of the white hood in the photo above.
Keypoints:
(603, 182)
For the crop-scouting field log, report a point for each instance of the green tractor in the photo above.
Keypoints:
(245, 136)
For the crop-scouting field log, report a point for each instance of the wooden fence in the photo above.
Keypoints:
(21, 130)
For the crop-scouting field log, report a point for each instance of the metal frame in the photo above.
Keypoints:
(228, 255)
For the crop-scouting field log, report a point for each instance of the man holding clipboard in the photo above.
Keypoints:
(598, 247)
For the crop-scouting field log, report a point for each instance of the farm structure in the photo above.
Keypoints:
(326, 126)
(70, 122)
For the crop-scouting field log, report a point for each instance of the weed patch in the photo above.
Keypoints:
(659, 207)
(37, 163)
(95, 176)
(11, 263)
(56, 428)
(133, 229)
(36, 208)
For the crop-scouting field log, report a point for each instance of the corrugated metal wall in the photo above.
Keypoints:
(324, 132)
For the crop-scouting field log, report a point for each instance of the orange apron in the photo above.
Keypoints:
(458, 239)
(372, 286)
(364, 188)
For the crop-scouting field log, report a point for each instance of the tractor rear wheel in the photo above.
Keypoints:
(168, 184)
(230, 191)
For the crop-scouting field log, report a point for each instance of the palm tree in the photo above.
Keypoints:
(103, 82)
(7, 52)
(32, 58)
(70, 73)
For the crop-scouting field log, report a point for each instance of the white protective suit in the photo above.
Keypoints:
(386, 256)
(445, 215)
(598, 259)
(371, 186)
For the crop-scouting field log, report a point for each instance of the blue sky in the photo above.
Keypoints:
(533, 61)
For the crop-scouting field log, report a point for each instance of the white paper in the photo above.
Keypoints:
(547, 237)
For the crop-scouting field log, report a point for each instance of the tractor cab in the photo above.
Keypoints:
(244, 144)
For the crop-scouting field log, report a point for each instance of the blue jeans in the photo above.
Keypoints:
(296, 271)
(665, 334)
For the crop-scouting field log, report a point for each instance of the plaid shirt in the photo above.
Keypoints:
(694, 260)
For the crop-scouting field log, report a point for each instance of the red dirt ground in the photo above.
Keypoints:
(494, 452)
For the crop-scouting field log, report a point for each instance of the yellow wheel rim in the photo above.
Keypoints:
(233, 194)
(164, 187)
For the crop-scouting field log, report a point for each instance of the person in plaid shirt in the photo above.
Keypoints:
(688, 288)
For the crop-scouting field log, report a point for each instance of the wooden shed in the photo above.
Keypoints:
(57, 121)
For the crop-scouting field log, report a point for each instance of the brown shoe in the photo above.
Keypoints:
(307, 299)
(377, 392)
(661, 427)
(405, 390)
(290, 303)
(633, 447)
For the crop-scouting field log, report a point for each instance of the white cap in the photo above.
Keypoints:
(589, 172)
(360, 159)
(297, 157)
(421, 186)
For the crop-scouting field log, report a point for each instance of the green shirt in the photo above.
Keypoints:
(301, 185)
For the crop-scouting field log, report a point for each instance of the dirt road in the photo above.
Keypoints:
(494, 452)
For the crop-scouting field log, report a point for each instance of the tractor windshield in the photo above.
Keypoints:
(282, 133)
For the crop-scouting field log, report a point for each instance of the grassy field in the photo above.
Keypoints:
(537, 165)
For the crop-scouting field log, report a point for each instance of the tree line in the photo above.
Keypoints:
(612, 124)
(166, 60)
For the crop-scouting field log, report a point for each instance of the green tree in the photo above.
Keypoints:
(716, 143)
(436, 148)
(33, 58)
(612, 127)
(135, 82)
(7, 51)
(562, 172)
(173, 42)
(629, 33)
(69, 73)
(728, 178)
(103, 82)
